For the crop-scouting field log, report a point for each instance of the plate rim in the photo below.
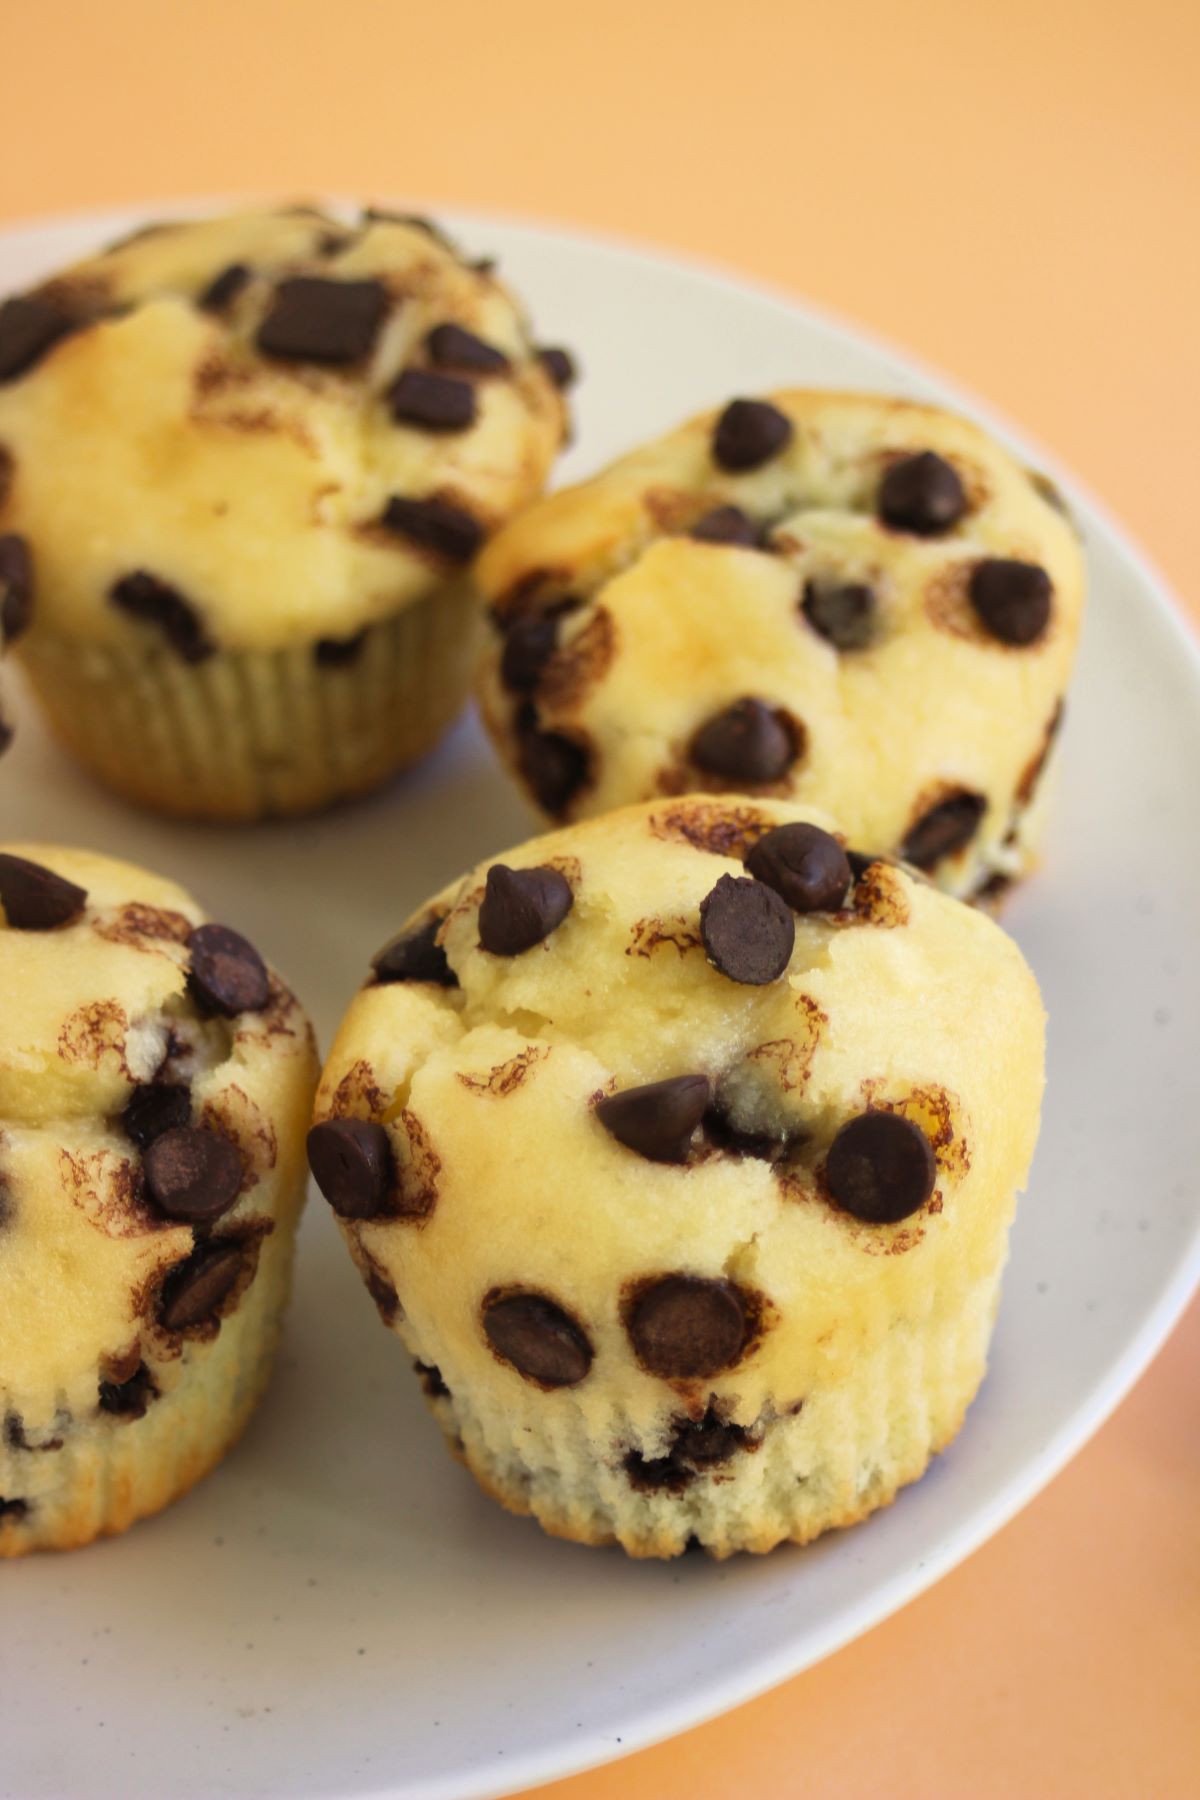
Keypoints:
(773, 1668)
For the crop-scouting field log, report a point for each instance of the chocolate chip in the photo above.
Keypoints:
(129, 1399)
(432, 1384)
(748, 931)
(1011, 598)
(16, 586)
(749, 433)
(860, 861)
(13, 1509)
(540, 1341)
(554, 766)
(227, 975)
(657, 1120)
(521, 907)
(657, 1474)
(686, 1326)
(842, 612)
(143, 596)
(706, 1443)
(195, 1288)
(35, 899)
(339, 653)
(192, 1175)
(438, 526)
(528, 646)
(352, 1164)
(726, 525)
(415, 955)
(314, 319)
(922, 494)
(559, 365)
(748, 742)
(432, 401)
(153, 1108)
(806, 866)
(453, 347)
(880, 1168)
(944, 829)
(29, 327)
(224, 288)
(724, 1134)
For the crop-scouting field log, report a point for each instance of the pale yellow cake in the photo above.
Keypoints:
(680, 1150)
(155, 1081)
(251, 459)
(851, 601)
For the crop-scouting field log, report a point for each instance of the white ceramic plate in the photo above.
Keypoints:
(338, 1612)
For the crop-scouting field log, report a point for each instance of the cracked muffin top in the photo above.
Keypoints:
(154, 1082)
(244, 431)
(855, 602)
(690, 1101)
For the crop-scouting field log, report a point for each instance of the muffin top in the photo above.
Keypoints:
(263, 429)
(857, 602)
(154, 1081)
(683, 1104)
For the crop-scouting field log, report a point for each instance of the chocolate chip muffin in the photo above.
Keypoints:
(155, 1083)
(680, 1148)
(854, 602)
(251, 459)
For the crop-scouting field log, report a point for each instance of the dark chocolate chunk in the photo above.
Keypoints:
(687, 1326)
(538, 1338)
(944, 829)
(143, 596)
(559, 365)
(314, 319)
(16, 586)
(228, 975)
(554, 766)
(432, 401)
(13, 1509)
(29, 327)
(842, 612)
(195, 1288)
(520, 907)
(727, 525)
(192, 1175)
(748, 931)
(706, 1443)
(153, 1108)
(453, 347)
(748, 742)
(1011, 598)
(432, 1384)
(339, 653)
(528, 646)
(353, 1165)
(749, 433)
(415, 955)
(806, 866)
(35, 899)
(880, 1168)
(657, 1120)
(129, 1399)
(922, 494)
(224, 288)
(438, 526)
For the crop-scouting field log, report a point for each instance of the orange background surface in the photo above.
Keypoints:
(1011, 190)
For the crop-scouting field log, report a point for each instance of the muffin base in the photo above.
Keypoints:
(846, 1453)
(246, 735)
(110, 1471)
